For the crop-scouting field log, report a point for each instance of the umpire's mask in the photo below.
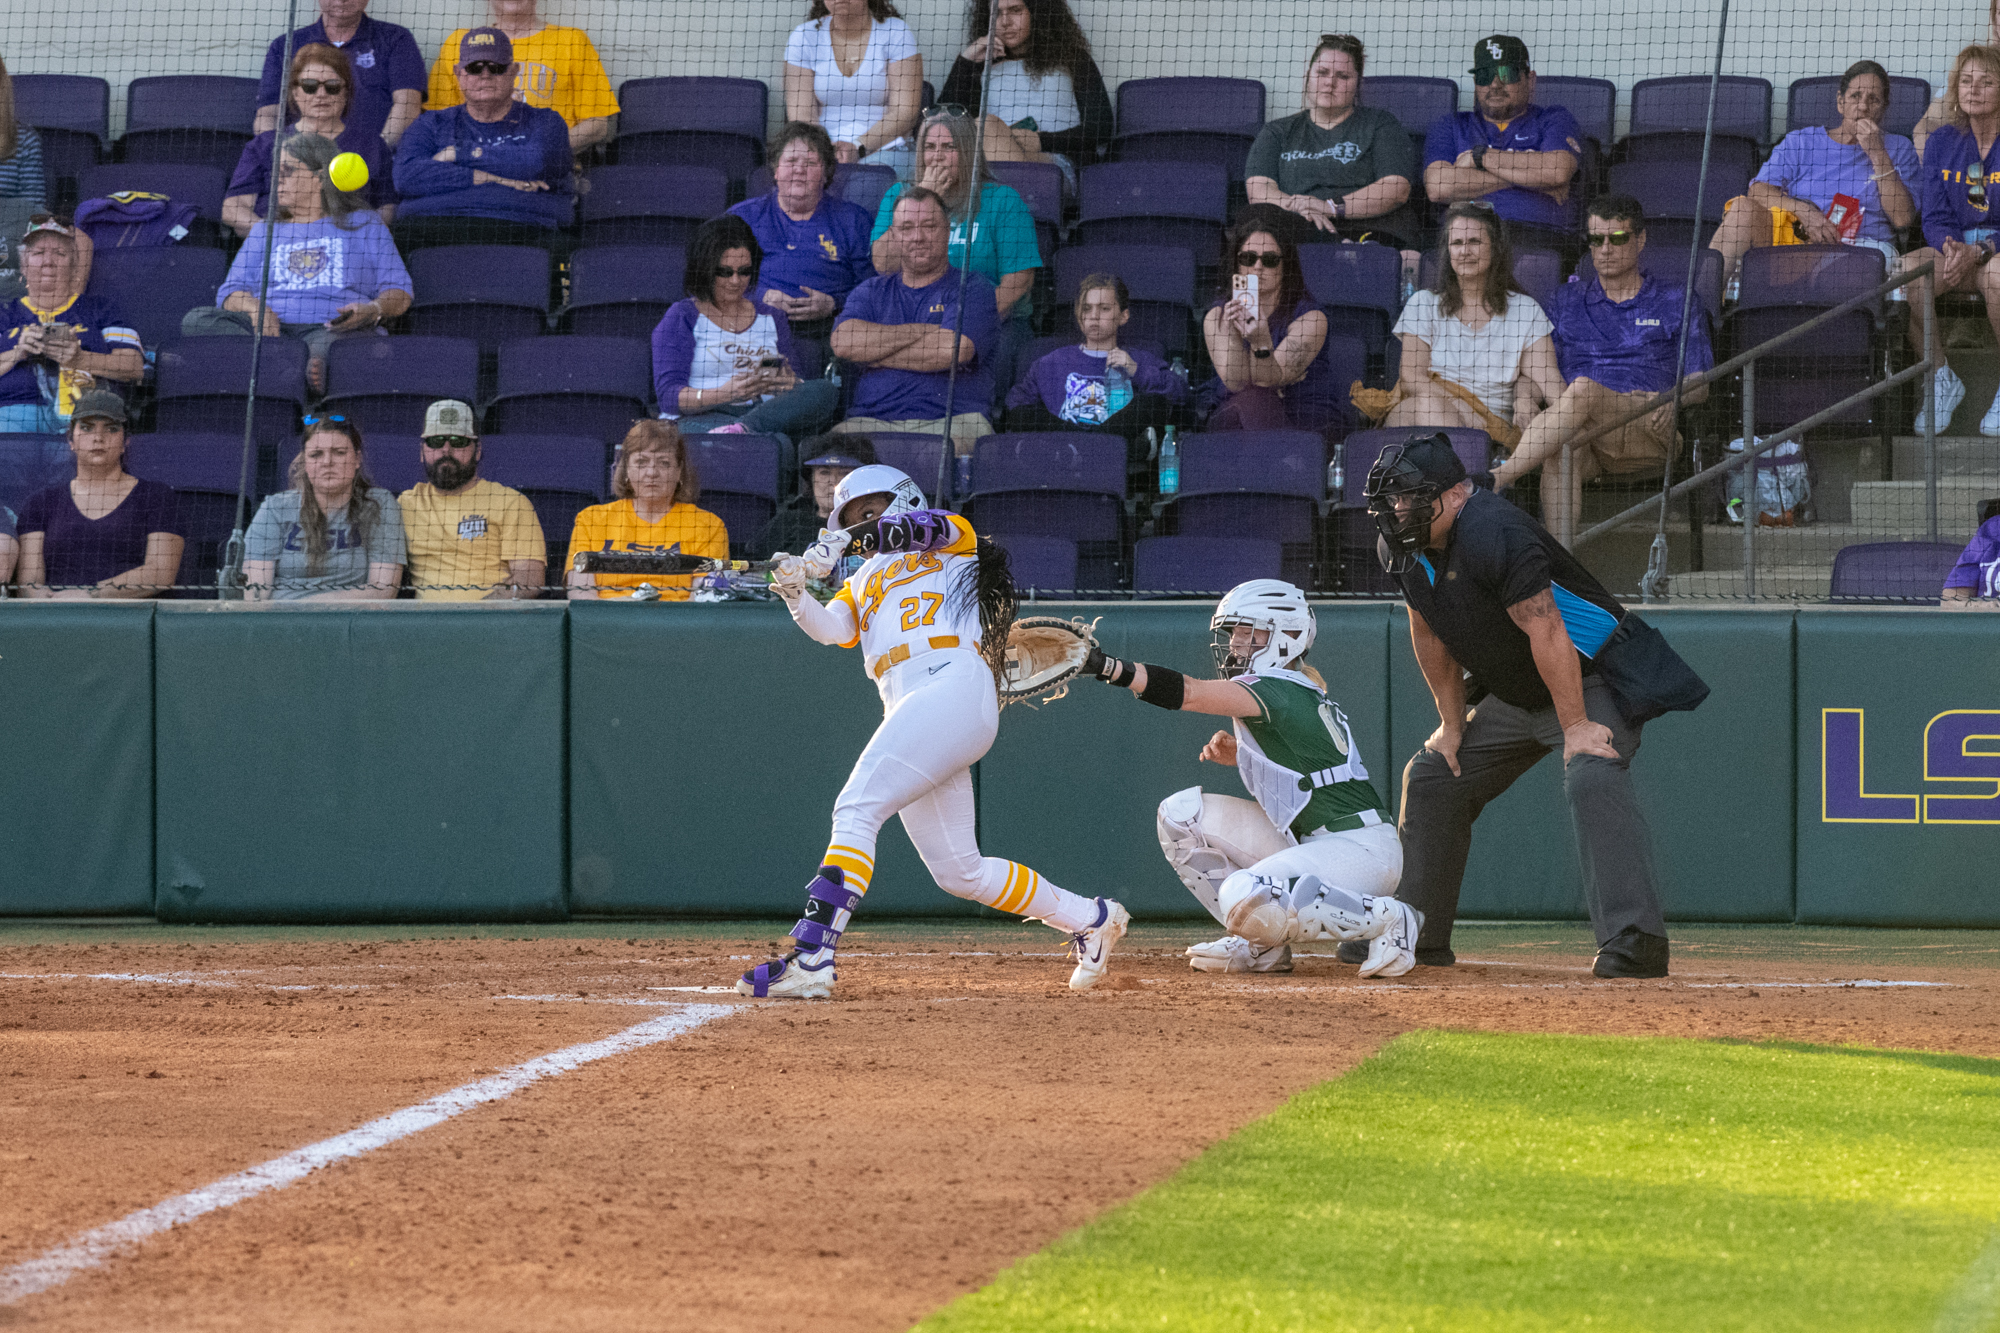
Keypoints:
(1403, 489)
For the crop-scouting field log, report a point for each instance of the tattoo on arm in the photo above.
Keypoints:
(1539, 607)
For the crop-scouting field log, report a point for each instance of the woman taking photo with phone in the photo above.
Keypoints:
(1269, 352)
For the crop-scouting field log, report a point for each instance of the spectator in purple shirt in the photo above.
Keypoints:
(1959, 227)
(1096, 385)
(389, 71)
(1617, 337)
(898, 329)
(107, 533)
(815, 244)
(322, 95)
(1517, 156)
(1270, 355)
(492, 171)
(1974, 582)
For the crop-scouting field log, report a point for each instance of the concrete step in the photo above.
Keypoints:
(1780, 583)
(1899, 506)
(1958, 455)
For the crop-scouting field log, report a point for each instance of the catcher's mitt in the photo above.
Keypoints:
(1043, 656)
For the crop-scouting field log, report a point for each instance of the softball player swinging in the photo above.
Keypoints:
(1315, 856)
(927, 599)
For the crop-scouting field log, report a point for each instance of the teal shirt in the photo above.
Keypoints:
(1003, 236)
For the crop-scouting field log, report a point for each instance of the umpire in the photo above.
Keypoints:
(1508, 625)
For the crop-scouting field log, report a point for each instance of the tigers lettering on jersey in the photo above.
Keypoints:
(904, 569)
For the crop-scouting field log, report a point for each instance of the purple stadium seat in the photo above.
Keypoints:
(1742, 106)
(1040, 185)
(1360, 450)
(740, 464)
(1054, 485)
(1201, 566)
(660, 205)
(1414, 101)
(1892, 571)
(1042, 566)
(1592, 101)
(1812, 102)
(153, 287)
(916, 456)
(202, 384)
(386, 384)
(1156, 203)
(623, 291)
(489, 293)
(693, 121)
(1361, 288)
(1783, 286)
(1271, 483)
(1666, 190)
(204, 471)
(193, 119)
(860, 183)
(571, 386)
(561, 475)
(392, 461)
(29, 463)
(1160, 279)
(1205, 120)
(66, 102)
(201, 186)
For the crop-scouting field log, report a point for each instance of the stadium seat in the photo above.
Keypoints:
(1042, 566)
(1782, 286)
(1271, 483)
(1892, 571)
(190, 119)
(203, 384)
(489, 293)
(1202, 566)
(1813, 102)
(693, 121)
(1190, 120)
(1159, 278)
(561, 475)
(1040, 185)
(29, 463)
(153, 287)
(1593, 102)
(1054, 484)
(1666, 190)
(1184, 204)
(623, 291)
(916, 457)
(386, 384)
(1361, 288)
(197, 185)
(1414, 101)
(1668, 118)
(72, 113)
(657, 205)
(571, 386)
(739, 482)
(204, 471)
(1360, 450)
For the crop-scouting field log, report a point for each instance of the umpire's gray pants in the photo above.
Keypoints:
(1501, 743)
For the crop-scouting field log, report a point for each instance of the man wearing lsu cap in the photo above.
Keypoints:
(797, 525)
(1515, 155)
(1524, 652)
(492, 171)
(556, 68)
(468, 538)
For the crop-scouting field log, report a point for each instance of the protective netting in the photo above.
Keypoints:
(1207, 274)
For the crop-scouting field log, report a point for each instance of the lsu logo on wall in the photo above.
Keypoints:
(1960, 746)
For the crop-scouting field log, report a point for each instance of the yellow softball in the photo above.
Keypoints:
(348, 172)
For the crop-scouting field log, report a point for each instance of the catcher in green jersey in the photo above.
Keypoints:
(1314, 856)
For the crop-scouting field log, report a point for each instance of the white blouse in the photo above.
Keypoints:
(720, 355)
(1486, 361)
(1017, 95)
(849, 106)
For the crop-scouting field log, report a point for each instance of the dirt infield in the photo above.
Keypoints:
(860, 1162)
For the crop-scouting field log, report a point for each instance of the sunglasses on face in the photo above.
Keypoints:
(1251, 258)
(332, 87)
(1497, 74)
(1600, 239)
(486, 67)
(724, 271)
(441, 442)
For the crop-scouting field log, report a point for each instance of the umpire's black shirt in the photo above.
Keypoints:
(1494, 557)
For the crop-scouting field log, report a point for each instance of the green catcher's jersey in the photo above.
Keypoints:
(1303, 730)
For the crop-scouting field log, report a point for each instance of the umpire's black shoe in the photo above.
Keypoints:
(1352, 951)
(1437, 957)
(1632, 953)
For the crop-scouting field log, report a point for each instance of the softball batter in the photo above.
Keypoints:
(1315, 856)
(927, 596)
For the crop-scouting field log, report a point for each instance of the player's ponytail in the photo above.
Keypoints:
(1306, 669)
(988, 584)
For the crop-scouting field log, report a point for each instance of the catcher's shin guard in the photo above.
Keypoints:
(1325, 911)
(1206, 839)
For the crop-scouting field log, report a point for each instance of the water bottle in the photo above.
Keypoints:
(1117, 390)
(1170, 463)
(1336, 476)
(1180, 372)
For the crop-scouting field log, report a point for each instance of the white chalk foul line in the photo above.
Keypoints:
(93, 1248)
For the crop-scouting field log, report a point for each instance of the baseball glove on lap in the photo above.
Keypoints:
(1043, 656)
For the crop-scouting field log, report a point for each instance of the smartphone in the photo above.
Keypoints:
(1243, 289)
(771, 363)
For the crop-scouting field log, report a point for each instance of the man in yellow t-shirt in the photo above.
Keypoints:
(469, 539)
(558, 71)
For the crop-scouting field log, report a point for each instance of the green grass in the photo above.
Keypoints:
(1472, 1182)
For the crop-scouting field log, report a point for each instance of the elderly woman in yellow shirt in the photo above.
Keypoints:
(559, 72)
(656, 488)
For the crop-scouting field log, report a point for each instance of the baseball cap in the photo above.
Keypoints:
(1436, 459)
(448, 416)
(834, 458)
(42, 223)
(1499, 49)
(485, 44)
(100, 403)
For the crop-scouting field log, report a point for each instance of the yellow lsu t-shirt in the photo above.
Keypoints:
(618, 527)
(559, 72)
(466, 539)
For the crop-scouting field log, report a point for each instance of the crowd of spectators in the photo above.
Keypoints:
(793, 290)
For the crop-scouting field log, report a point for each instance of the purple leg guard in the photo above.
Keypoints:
(829, 906)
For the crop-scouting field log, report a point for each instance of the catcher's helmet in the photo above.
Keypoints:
(878, 479)
(1414, 472)
(1267, 604)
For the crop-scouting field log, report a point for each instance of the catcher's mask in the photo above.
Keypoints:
(1271, 605)
(1403, 489)
(878, 479)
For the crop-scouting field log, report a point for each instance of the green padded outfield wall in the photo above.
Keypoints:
(1899, 768)
(77, 834)
(401, 762)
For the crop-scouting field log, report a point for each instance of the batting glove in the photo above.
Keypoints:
(823, 556)
(788, 576)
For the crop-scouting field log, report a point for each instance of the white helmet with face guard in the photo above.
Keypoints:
(878, 479)
(1271, 605)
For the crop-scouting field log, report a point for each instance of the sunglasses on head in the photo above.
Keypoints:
(331, 86)
(1251, 258)
(449, 441)
(486, 67)
(1600, 239)
(316, 421)
(724, 271)
(1497, 74)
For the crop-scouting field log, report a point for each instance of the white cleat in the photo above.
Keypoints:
(1947, 392)
(787, 979)
(1093, 946)
(1233, 953)
(1394, 951)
